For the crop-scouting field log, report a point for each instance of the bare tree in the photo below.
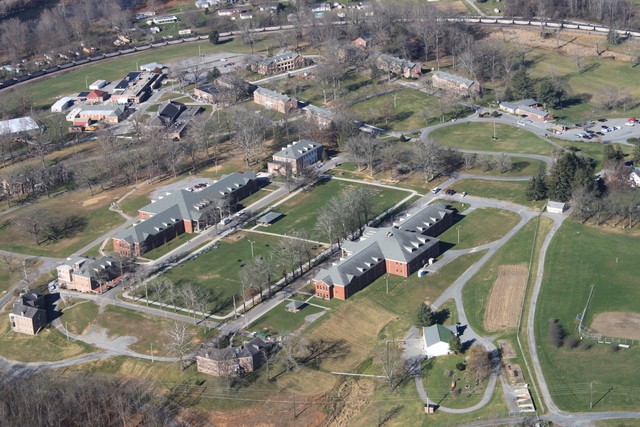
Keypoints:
(250, 134)
(478, 362)
(34, 222)
(364, 150)
(13, 36)
(180, 342)
(389, 356)
(503, 162)
(190, 295)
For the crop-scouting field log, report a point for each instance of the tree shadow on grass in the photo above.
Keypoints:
(65, 228)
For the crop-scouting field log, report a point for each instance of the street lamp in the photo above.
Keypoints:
(458, 228)
(251, 242)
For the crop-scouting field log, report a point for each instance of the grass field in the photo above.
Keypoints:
(94, 210)
(602, 73)
(478, 136)
(509, 191)
(521, 166)
(479, 227)
(438, 375)
(218, 270)
(579, 257)
(46, 91)
(132, 203)
(516, 251)
(595, 151)
(301, 212)
(48, 345)
(406, 109)
(280, 321)
(79, 315)
(168, 247)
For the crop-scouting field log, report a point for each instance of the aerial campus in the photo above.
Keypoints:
(389, 213)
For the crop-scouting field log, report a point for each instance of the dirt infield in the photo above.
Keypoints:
(617, 324)
(505, 299)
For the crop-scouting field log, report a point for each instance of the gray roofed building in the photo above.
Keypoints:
(139, 232)
(280, 63)
(88, 274)
(295, 157)
(232, 360)
(510, 107)
(269, 218)
(29, 314)
(297, 149)
(276, 96)
(295, 306)
(399, 66)
(272, 100)
(22, 124)
(454, 83)
(322, 116)
(425, 220)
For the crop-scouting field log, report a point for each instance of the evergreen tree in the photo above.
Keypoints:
(455, 345)
(424, 316)
(521, 85)
(537, 189)
(569, 172)
(214, 37)
(550, 92)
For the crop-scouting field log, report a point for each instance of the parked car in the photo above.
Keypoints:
(521, 122)
(630, 123)
(464, 193)
(617, 127)
(436, 190)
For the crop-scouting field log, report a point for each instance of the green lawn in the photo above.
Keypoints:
(79, 315)
(602, 73)
(440, 372)
(301, 211)
(405, 109)
(132, 203)
(579, 257)
(280, 321)
(516, 251)
(168, 247)
(521, 166)
(479, 136)
(595, 151)
(48, 345)
(98, 221)
(509, 191)
(218, 270)
(479, 227)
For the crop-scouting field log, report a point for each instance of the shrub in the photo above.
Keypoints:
(556, 333)
(585, 345)
(570, 342)
(460, 366)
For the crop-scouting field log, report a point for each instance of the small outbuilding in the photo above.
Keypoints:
(62, 104)
(556, 207)
(295, 306)
(269, 218)
(436, 340)
(98, 84)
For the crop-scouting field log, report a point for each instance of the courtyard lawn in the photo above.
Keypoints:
(478, 136)
(301, 211)
(218, 269)
(479, 227)
(509, 191)
(516, 251)
(438, 375)
(521, 166)
(132, 203)
(94, 220)
(168, 247)
(279, 321)
(48, 345)
(406, 109)
(78, 315)
(581, 256)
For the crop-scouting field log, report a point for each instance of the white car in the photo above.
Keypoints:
(630, 124)
(617, 127)
(436, 190)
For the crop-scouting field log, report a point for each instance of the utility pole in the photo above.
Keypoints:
(591, 394)
(386, 278)
(235, 310)
(458, 228)
(251, 242)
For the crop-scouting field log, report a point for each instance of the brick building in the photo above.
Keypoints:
(183, 211)
(29, 314)
(281, 63)
(274, 101)
(297, 155)
(85, 114)
(320, 116)
(87, 274)
(526, 107)
(400, 250)
(232, 360)
(398, 66)
(136, 87)
(457, 84)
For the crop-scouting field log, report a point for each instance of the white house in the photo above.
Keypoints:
(556, 207)
(436, 340)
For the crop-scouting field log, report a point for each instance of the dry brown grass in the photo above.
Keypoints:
(617, 324)
(506, 297)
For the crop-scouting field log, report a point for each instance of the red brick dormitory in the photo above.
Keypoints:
(401, 250)
(182, 212)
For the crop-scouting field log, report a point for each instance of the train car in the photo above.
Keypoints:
(96, 58)
(81, 62)
(145, 47)
(111, 54)
(65, 65)
(36, 74)
(520, 22)
(553, 25)
(488, 21)
(21, 79)
(570, 26)
(634, 33)
(601, 29)
(174, 41)
(192, 39)
(271, 28)
(52, 69)
(586, 27)
(504, 21)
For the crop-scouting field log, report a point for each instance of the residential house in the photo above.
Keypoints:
(97, 97)
(526, 107)
(400, 250)
(61, 104)
(232, 360)
(88, 274)
(321, 116)
(362, 42)
(456, 84)
(400, 67)
(295, 157)
(183, 211)
(281, 63)
(436, 340)
(29, 314)
(136, 87)
(84, 115)
(18, 126)
(174, 117)
(274, 101)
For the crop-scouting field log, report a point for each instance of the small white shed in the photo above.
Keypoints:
(556, 207)
(61, 104)
(436, 340)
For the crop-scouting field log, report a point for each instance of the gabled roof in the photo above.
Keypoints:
(454, 78)
(214, 89)
(319, 111)
(521, 103)
(435, 334)
(22, 124)
(556, 205)
(96, 94)
(273, 95)
(248, 349)
(392, 60)
(108, 110)
(533, 110)
(419, 220)
(284, 56)
(139, 232)
(169, 111)
(297, 149)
